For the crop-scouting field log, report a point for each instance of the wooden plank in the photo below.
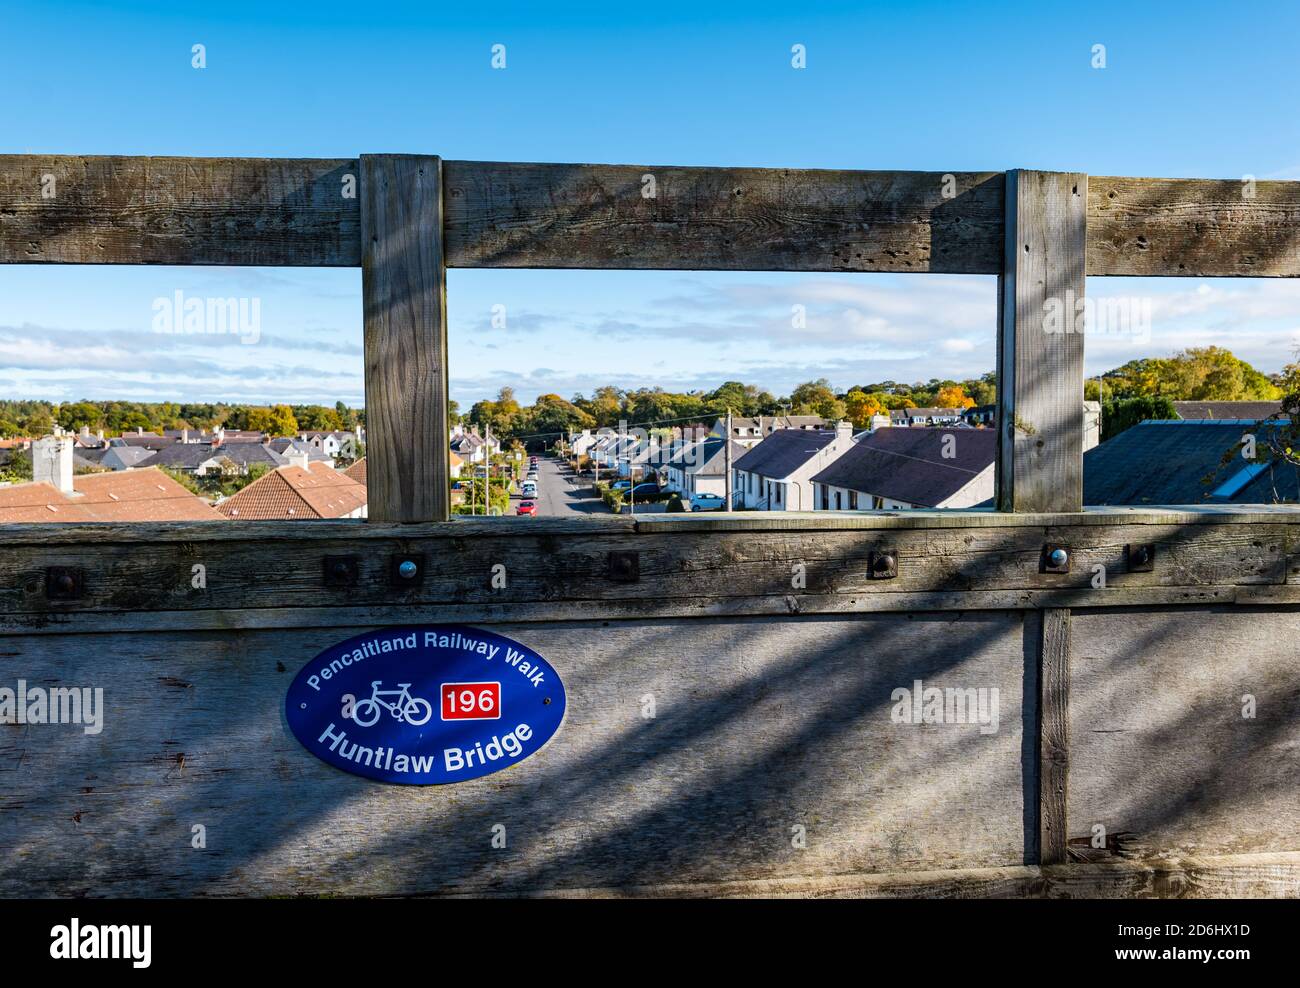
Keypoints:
(690, 752)
(1040, 358)
(754, 219)
(404, 295)
(1053, 735)
(1273, 517)
(289, 211)
(123, 210)
(1149, 227)
(1184, 729)
(479, 612)
(1231, 876)
(681, 571)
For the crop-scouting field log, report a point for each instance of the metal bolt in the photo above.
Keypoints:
(407, 570)
(884, 563)
(1058, 557)
(1141, 556)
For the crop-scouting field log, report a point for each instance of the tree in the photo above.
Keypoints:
(953, 396)
(19, 468)
(76, 414)
(551, 414)
(817, 398)
(318, 418)
(860, 407)
(1125, 413)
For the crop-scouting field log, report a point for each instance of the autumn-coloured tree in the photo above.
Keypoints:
(860, 407)
(954, 397)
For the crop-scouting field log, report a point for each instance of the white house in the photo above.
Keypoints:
(581, 444)
(910, 468)
(701, 467)
(750, 432)
(924, 416)
(776, 475)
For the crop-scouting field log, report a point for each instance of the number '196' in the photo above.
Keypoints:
(471, 701)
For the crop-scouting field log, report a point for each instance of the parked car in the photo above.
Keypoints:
(621, 485)
(646, 490)
(527, 508)
(708, 502)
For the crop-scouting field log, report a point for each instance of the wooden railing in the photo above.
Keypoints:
(714, 618)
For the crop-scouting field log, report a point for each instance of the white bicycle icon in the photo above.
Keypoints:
(405, 707)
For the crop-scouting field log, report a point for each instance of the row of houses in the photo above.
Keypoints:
(914, 458)
(200, 453)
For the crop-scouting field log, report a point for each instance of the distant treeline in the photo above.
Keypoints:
(38, 418)
(609, 405)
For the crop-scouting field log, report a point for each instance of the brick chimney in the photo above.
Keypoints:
(52, 462)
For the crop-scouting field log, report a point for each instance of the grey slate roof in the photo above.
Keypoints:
(284, 446)
(784, 452)
(1157, 462)
(707, 459)
(188, 456)
(1219, 410)
(126, 457)
(908, 464)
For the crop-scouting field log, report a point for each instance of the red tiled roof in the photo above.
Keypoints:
(292, 493)
(124, 495)
(358, 471)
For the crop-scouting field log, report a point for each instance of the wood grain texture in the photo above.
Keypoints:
(1039, 463)
(404, 294)
(126, 210)
(755, 219)
(1149, 227)
(1232, 876)
(285, 211)
(1166, 759)
(1053, 735)
(683, 570)
(759, 726)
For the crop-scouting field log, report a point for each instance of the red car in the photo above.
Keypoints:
(527, 508)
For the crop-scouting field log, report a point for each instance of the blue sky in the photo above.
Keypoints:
(1188, 90)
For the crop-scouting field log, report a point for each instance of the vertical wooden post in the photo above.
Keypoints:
(403, 290)
(1040, 343)
(1053, 735)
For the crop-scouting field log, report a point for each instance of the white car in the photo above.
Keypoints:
(529, 489)
(708, 502)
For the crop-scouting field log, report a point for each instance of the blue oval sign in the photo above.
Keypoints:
(425, 706)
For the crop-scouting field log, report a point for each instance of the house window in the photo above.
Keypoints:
(825, 498)
(837, 500)
(853, 500)
(778, 494)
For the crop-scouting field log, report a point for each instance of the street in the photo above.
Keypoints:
(559, 492)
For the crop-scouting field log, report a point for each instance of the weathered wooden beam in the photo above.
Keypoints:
(404, 294)
(1039, 463)
(93, 209)
(99, 209)
(1053, 735)
(1274, 875)
(566, 568)
(1193, 227)
(757, 219)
